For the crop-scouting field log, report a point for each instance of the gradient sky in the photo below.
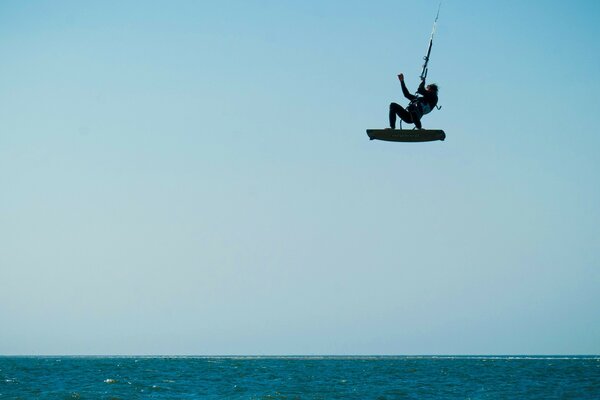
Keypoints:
(194, 177)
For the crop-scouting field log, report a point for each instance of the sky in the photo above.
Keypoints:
(194, 178)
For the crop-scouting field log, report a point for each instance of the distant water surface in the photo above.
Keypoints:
(300, 378)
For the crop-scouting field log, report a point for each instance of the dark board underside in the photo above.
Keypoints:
(405, 135)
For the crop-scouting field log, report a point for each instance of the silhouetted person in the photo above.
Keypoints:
(419, 105)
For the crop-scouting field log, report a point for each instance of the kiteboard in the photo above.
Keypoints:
(406, 135)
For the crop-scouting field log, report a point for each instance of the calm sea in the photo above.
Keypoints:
(300, 378)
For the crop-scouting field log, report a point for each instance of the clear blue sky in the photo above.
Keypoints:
(194, 177)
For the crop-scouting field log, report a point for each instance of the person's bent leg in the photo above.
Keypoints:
(397, 109)
(393, 107)
(418, 123)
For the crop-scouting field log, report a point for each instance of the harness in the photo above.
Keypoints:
(418, 107)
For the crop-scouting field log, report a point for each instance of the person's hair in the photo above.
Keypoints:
(434, 87)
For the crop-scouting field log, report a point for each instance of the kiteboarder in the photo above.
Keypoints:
(419, 105)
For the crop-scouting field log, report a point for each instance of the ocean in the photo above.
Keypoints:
(380, 378)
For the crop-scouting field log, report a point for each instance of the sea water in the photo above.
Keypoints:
(300, 378)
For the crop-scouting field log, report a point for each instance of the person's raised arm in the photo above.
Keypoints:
(421, 89)
(405, 91)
